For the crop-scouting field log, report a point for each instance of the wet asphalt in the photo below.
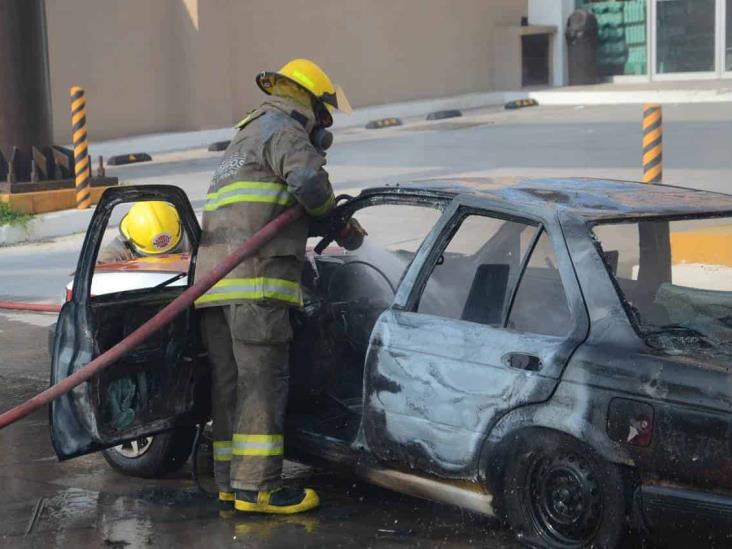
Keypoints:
(84, 503)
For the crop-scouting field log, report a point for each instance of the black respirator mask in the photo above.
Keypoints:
(321, 139)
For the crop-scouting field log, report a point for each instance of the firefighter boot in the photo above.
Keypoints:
(283, 501)
(226, 504)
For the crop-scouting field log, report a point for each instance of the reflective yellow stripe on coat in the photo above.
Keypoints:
(258, 445)
(222, 450)
(235, 289)
(248, 191)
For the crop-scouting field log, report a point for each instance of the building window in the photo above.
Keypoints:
(685, 36)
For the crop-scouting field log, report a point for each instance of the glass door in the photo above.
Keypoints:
(686, 39)
(663, 39)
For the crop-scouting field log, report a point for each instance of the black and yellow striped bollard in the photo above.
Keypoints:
(82, 165)
(652, 143)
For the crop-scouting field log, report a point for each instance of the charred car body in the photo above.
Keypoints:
(554, 350)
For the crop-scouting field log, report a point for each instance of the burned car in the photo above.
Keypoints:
(555, 351)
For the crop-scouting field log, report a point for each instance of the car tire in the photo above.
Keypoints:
(152, 456)
(559, 493)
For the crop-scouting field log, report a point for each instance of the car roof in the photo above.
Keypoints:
(586, 197)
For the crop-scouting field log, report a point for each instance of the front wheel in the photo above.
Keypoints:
(560, 493)
(152, 456)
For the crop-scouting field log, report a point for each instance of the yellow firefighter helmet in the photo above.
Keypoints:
(152, 227)
(311, 78)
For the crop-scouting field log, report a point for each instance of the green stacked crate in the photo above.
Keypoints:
(621, 34)
(636, 62)
(634, 16)
(635, 35)
(611, 53)
(634, 11)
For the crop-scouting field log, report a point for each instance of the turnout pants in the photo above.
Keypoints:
(248, 347)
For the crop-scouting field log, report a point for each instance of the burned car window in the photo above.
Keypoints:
(475, 275)
(373, 271)
(540, 305)
(675, 278)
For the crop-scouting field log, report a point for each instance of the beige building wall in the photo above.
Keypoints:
(165, 65)
(121, 52)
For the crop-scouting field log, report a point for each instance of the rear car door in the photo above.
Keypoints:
(484, 322)
(154, 387)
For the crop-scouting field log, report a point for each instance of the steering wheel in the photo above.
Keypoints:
(356, 316)
(341, 268)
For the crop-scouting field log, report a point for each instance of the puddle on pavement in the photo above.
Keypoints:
(86, 504)
(72, 508)
(351, 513)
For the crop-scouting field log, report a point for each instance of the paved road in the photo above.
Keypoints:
(86, 504)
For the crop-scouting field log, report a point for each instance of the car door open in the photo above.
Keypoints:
(153, 388)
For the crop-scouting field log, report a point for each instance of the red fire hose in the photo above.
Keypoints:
(164, 317)
(30, 307)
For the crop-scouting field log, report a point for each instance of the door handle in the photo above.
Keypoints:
(523, 361)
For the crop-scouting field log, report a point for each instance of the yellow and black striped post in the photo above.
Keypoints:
(82, 165)
(652, 143)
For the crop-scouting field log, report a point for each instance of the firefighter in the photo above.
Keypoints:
(150, 228)
(275, 160)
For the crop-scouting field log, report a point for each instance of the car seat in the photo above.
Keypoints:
(487, 294)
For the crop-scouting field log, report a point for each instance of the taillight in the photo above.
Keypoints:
(68, 295)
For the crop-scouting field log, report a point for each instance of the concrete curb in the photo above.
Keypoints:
(10, 234)
(52, 225)
(627, 97)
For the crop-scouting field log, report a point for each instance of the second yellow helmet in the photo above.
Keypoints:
(152, 227)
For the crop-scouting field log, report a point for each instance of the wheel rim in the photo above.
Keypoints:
(565, 501)
(134, 448)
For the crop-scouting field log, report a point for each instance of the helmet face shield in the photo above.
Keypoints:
(336, 100)
(342, 102)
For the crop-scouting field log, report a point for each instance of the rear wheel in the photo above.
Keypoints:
(559, 492)
(152, 456)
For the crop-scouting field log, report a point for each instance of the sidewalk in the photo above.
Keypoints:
(690, 91)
